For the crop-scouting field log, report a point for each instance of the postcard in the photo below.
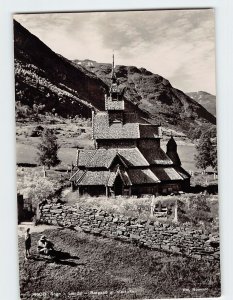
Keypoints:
(117, 178)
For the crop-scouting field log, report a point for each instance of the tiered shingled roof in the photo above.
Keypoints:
(103, 130)
(156, 156)
(142, 176)
(182, 172)
(137, 176)
(107, 178)
(94, 178)
(166, 174)
(103, 158)
(145, 164)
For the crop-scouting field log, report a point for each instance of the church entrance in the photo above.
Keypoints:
(118, 186)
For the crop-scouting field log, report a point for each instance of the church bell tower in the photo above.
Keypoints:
(114, 102)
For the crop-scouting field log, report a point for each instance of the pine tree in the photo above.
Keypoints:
(207, 150)
(48, 148)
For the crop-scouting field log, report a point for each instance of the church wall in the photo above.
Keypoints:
(162, 188)
(148, 144)
(139, 190)
(115, 115)
(116, 144)
(169, 187)
(92, 190)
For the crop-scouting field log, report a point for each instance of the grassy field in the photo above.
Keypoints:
(26, 153)
(72, 135)
(90, 267)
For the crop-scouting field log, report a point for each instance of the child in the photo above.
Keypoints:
(45, 246)
(27, 244)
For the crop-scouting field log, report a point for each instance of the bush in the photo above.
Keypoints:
(33, 186)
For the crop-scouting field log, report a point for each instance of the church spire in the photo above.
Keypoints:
(113, 69)
(114, 92)
(114, 100)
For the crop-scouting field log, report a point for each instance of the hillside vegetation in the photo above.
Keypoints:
(47, 83)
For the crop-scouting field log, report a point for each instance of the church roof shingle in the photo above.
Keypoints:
(142, 176)
(94, 178)
(103, 158)
(103, 130)
(107, 178)
(182, 172)
(156, 156)
(166, 174)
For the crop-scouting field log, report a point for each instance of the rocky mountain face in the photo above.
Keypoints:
(154, 95)
(46, 82)
(206, 100)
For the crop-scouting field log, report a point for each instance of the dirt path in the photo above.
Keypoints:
(38, 229)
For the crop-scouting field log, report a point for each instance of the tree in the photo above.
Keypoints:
(48, 148)
(207, 150)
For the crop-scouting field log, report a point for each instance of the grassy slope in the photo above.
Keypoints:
(98, 264)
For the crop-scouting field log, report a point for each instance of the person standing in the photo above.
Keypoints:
(27, 238)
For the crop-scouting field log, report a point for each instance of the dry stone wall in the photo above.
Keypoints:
(174, 239)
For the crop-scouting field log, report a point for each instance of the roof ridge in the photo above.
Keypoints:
(166, 154)
(127, 175)
(81, 177)
(74, 174)
(142, 155)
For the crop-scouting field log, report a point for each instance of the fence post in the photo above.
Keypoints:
(175, 220)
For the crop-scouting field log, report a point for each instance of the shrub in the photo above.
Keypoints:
(32, 185)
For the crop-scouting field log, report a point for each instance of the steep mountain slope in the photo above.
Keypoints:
(205, 99)
(47, 82)
(154, 95)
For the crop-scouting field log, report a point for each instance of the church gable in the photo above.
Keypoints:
(118, 161)
(103, 158)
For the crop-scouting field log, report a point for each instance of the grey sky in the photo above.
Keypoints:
(177, 44)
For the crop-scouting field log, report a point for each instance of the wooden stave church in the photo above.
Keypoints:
(127, 159)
